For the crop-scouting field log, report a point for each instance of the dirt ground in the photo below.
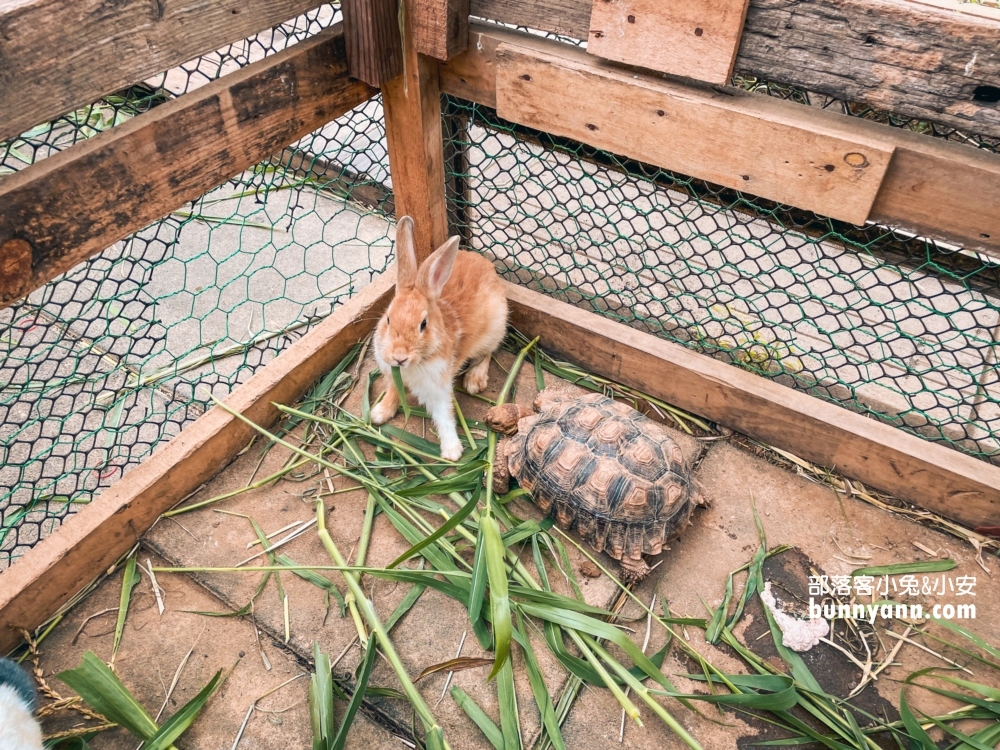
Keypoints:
(830, 536)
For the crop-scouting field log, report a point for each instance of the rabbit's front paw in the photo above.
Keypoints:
(382, 412)
(451, 451)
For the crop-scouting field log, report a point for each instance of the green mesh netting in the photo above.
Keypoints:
(890, 325)
(106, 363)
(112, 359)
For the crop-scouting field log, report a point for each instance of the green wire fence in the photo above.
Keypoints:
(104, 364)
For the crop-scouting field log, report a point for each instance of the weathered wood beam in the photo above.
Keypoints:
(47, 576)
(374, 46)
(915, 59)
(57, 55)
(683, 37)
(74, 204)
(441, 27)
(412, 104)
(932, 187)
(783, 153)
(932, 476)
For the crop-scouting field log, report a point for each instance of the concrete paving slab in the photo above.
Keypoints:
(153, 647)
(831, 536)
(432, 630)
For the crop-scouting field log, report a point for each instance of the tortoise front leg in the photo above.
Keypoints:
(501, 468)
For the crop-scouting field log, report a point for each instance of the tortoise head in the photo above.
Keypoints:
(503, 418)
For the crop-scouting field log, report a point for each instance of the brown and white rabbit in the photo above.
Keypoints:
(449, 311)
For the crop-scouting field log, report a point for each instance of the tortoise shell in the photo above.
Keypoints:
(602, 467)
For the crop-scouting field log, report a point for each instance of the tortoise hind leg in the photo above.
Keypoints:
(633, 571)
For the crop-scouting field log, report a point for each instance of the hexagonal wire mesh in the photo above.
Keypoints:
(893, 326)
(115, 357)
(110, 360)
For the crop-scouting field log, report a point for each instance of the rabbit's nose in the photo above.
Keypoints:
(400, 361)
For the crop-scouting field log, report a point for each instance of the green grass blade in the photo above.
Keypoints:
(492, 732)
(359, 694)
(321, 693)
(598, 629)
(447, 526)
(718, 620)
(920, 740)
(467, 478)
(465, 425)
(920, 566)
(547, 712)
(316, 580)
(179, 723)
(397, 379)
(510, 721)
(405, 605)
(970, 636)
(103, 691)
(496, 572)
(129, 581)
(477, 593)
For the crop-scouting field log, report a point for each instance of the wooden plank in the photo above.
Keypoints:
(945, 191)
(772, 149)
(900, 56)
(69, 53)
(47, 576)
(896, 55)
(441, 27)
(933, 188)
(567, 17)
(374, 46)
(76, 203)
(934, 477)
(684, 37)
(412, 104)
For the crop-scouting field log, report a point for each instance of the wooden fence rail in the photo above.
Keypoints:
(928, 62)
(74, 204)
(58, 55)
(836, 165)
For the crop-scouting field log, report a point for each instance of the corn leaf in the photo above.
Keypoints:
(921, 566)
(995, 653)
(510, 721)
(321, 715)
(103, 691)
(474, 712)
(404, 606)
(360, 688)
(543, 700)
(496, 572)
(920, 740)
(129, 581)
(316, 580)
(179, 723)
(397, 379)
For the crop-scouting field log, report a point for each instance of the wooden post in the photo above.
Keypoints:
(374, 47)
(441, 27)
(412, 104)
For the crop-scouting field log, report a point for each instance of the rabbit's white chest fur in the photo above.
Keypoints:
(429, 381)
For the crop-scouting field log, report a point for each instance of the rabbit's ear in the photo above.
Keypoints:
(406, 256)
(435, 271)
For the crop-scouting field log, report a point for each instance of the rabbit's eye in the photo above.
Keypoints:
(387, 323)
(423, 324)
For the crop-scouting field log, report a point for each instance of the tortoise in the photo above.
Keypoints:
(601, 466)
